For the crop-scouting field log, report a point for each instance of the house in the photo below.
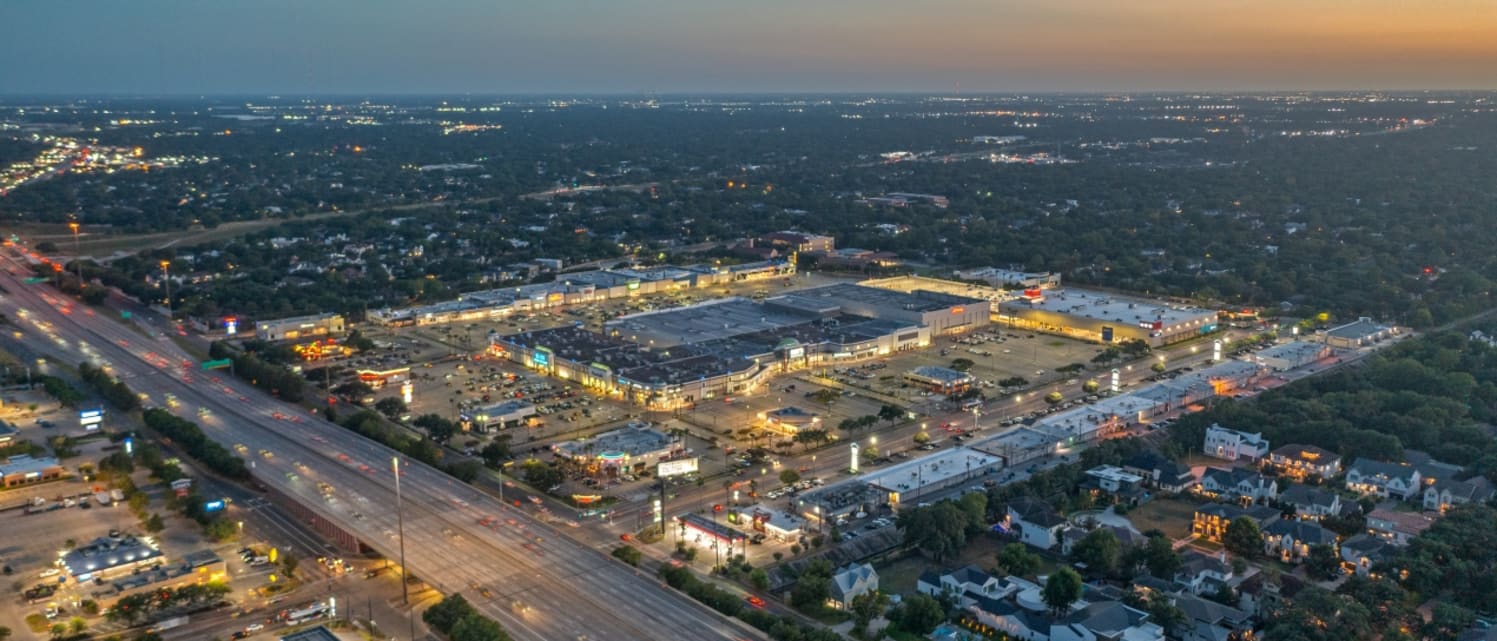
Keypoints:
(1358, 333)
(1388, 480)
(1290, 541)
(1447, 494)
(1230, 445)
(1114, 482)
(1211, 519)
(963, 584)
(1034, 521)
(850, 582)
(1161, 473)
(1359, 553)
(1310, 503)
(1263, 595)
(1203, 573)
(1238, 484)
(1207, 620)
(1106, 620)
(1071, 535)
(1431, 471)
(1299, 462)
(1397, 528)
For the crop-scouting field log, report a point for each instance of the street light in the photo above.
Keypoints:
(77, 253)
(405, 586)
(167, 278)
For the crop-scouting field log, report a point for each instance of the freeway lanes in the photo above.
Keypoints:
(571, 590)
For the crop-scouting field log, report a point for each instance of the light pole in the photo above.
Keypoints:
(166, 276)
(405, 586)
(77, 253)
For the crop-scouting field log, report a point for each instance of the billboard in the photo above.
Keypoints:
(677, 467)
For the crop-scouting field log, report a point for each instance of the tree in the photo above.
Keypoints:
(438, 428)
(813, 587)
(759, 578)
(1016, 559)
(476, 627)
(446, 613)
(939, 530)
(1243, 537)
(825, 396)
(542, 476)
(1090, 387)
(154, 524)
(219, 530)
(1061, 590)
(628, 554)
(4, 633)
(496, 451)
(392, 407)
(890, 413)
(918, 615)
(922, 437)
(1323, 563)
(77, 625)
(1054, 397)
(866, 607)
(289, 563)
(1161, 558)
(1158, 366)
(962, 364)
(789, 476)
(1099, 550)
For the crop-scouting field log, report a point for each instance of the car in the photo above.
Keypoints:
(254, 627)
(239, 634)
(755, 601)
(626, 537)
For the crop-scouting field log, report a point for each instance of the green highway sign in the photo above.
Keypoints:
(218, 364)
(34, 280)
(125, 314)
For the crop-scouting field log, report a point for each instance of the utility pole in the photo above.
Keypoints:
(405, 586)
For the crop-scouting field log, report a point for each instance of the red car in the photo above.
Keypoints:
(755, 601)
(626, 537)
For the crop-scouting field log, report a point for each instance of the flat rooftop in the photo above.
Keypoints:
(629, 361)
(909, 284)
(632, 440)
(1014, 441)
(1293, 351)
(1113, 308)
(25, 464)
(920, 300)
(1360, 328)
(933, 470)
(701, 322)
(319, 633)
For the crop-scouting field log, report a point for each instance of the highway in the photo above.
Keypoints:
(568, 590)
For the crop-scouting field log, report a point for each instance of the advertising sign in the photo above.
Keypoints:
(677, 467)
(91, 419)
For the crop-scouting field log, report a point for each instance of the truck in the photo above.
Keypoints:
(174, 622)
(104, 498)
(117, 495)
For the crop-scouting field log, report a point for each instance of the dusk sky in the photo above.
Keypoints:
(634, 46)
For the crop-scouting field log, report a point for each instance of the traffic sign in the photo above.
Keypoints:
(217, 364)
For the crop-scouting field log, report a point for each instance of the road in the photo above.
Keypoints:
(572, 590)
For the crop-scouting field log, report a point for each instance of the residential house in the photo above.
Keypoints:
(1263, 595)
(1397, 528)
(1444, 495)
(1238, 484)
(963, 585)
(1035, 522)
(1071, 535)
(1431, 471)
(850, 582)
(1207, 620)
(1231, 445)
(1106, 621)
(1204, 573)
(1388, 480)
(1115, 483)
(1300, 462)
(1211, 519)
(1360, 552)
(1290, 541)
(1161, 473)
(1310, 503)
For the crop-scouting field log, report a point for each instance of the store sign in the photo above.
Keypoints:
(91, 419)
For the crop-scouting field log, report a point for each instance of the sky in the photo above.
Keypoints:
(193, 47)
